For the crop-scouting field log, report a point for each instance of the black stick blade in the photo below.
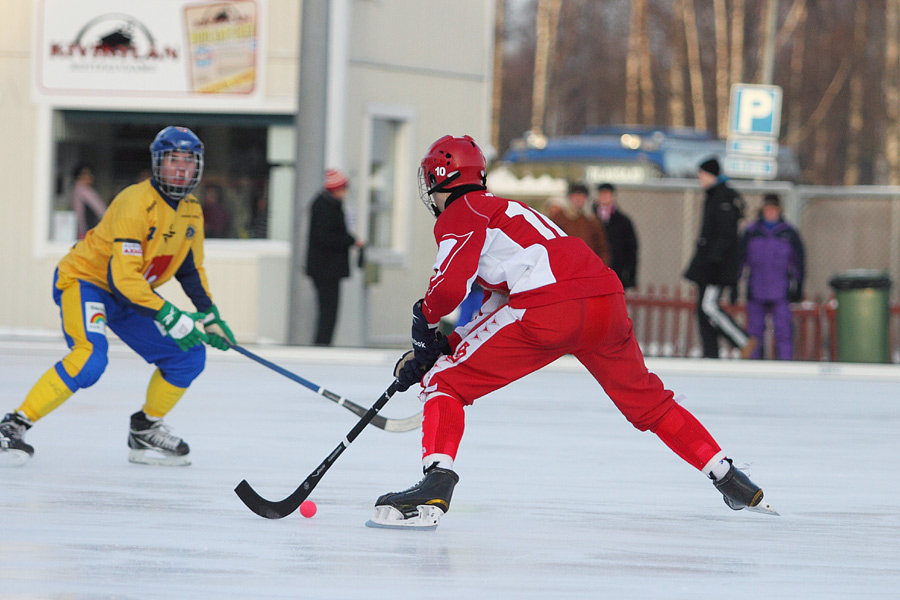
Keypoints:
(279, 510)
(267, 509)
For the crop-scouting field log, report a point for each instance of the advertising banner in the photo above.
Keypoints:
(173, 49)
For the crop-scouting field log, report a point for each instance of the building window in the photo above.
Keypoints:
(382, 171)
(115, 146)
(389, 185)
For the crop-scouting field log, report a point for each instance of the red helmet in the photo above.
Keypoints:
(450, 162)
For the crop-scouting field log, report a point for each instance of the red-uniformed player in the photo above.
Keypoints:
(546, 295)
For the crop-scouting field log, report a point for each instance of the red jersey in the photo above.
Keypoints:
(511, 249)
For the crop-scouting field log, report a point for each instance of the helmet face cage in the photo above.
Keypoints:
(425, 188)
(176, 140)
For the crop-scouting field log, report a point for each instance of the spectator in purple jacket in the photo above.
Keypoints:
(772, 253)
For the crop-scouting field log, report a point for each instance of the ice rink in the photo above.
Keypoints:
(559, 497)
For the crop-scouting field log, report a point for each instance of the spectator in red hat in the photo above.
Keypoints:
(327, 259)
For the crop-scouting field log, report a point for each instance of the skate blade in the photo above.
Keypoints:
(764, 508)
(13, 458)
(152, 457)
(388, 517)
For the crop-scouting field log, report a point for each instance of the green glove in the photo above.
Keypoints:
(217, 331)
(180, 327)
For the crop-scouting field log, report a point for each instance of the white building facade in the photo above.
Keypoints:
(91, 82)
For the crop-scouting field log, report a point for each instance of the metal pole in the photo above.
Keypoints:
(768, 66)
(310, 166)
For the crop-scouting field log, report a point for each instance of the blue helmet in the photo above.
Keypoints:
(177, 139)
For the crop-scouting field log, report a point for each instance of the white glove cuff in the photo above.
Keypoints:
(183, 327)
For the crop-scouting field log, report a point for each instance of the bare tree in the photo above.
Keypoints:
(855, 117)
(676, 67)
(892, 90)
(796, 15)
(646, 62)
(820, 152)
(696, 72)
(497, 92)
(825, 103)
(796, 80)
(633, 62)
(721, 26)
(548, 13)
(737, 41)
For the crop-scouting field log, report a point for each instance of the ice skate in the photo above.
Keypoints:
(419, 507)
(14, 452)
(739, 492)
(151, 443)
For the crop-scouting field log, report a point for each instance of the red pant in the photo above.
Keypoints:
(511, 343)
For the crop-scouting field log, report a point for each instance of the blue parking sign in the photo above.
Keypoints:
(755, 110)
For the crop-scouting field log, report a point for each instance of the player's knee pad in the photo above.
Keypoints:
(183, 368)
(86, 365)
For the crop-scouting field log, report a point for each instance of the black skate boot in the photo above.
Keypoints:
(420, 506)
(739, 492)
(151, 443)
(13, 449)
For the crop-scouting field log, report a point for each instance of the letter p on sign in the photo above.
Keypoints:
(755, 110)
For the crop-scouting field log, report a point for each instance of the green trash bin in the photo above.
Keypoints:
(863, 315)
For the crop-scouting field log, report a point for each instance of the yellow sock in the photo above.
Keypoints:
(46, 395)
(161, 396)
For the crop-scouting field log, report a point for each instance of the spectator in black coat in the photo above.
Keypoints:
(327, 259)
(620, 234)
(716, 262)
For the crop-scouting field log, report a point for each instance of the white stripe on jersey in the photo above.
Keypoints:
(447, 250)
(509, 248)
(505, 263)
(476, 337)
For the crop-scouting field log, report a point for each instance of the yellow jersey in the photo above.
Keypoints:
(142, 241)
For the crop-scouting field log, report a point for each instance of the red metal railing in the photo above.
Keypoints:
(665, 324)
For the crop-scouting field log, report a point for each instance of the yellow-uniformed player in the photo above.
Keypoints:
(152, 231)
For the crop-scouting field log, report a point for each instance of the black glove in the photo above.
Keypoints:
(424, 337)
(408, 371)
(428, 345)
(795, 291)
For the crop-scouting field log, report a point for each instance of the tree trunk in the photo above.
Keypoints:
(548, 11)
(721, 26)
(497, 92)
(633, 63)
(820, 153)
(676, 67)
(646, 62)
(795, 16)
(825, 103)
(892, 90)
(855, 118)
(796, 83)
(696, 73)
(737, 41)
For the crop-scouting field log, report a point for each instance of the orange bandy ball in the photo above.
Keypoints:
(308, 508)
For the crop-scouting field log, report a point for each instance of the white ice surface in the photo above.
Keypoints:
(559, 497)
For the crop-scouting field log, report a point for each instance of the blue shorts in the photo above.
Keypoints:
(86, 310)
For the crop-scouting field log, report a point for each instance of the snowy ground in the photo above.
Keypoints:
(559, 497)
